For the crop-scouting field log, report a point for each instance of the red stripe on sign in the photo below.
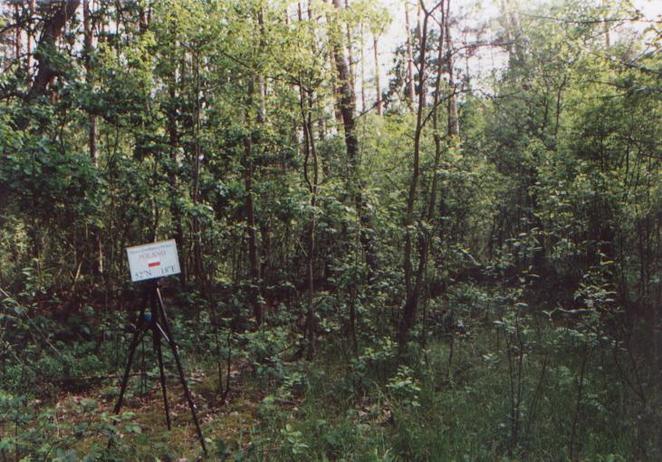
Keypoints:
(153, 264)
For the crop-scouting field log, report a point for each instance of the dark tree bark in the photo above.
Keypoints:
(17, 35)
(262, 83)
(410, 96)
(87, 51)
(425, 239)
(255, 270)
(347, 101)
(413, 283)
(198, 264)
(347, 106)
(312, 181)
(88, 46)
(173, 141)
(28, 59)
(453, 119)
(350, 54)
(249, 209)
(57, 14)
(362, 58)
(378, 89)
(435, 116)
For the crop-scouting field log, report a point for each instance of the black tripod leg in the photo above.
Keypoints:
(157, 344)
(137, 337)
(156, 336)
(180, 370)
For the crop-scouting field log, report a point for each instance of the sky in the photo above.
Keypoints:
(483, 11)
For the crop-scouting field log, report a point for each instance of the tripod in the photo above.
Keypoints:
(157, 322)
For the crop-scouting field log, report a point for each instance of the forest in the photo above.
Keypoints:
(406, 230)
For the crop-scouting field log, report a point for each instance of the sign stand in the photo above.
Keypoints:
(157, 322)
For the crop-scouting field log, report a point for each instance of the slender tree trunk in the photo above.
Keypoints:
(255, 270)
(350, 54)
(334, 80)
(410, 95)
(347, 105)
(173, 141)
(28, 46)
(312, 179)
(337, 112)
(453, 120)
(513, 31)
(605, 24)
(88, 46)
(378, 89)
(362, 51)
(195, 174)
(249, 210)
(421, 285)
(198, 264)
(419, 31)
(17, 35)
(435, 122)
(306, 105)
(261, 81)
(413, 284)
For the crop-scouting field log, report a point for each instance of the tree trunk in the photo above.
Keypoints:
(56, 15)
(347, 105)
(337, 86)
(435, 117)
(412, 285)
(198, 264)
(378, 89)
(28, 46)
(255, 270)
(425, 240)
(453, 120)
(173, 141)
(249, 210)
(421, 82)
(261, 81)
(513, 32)
(362, 51)
(605, 24)
(350, 54)
(310, 154)
(88, 46)
(411, 94)
(17, 36)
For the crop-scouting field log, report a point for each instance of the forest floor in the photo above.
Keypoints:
(143, 426)
(337, 407)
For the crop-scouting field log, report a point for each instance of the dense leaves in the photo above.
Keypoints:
(463, 267)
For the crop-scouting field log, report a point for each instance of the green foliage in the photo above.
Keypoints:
(404, 387)
(533, 240)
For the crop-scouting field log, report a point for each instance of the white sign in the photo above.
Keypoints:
(155, 260)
